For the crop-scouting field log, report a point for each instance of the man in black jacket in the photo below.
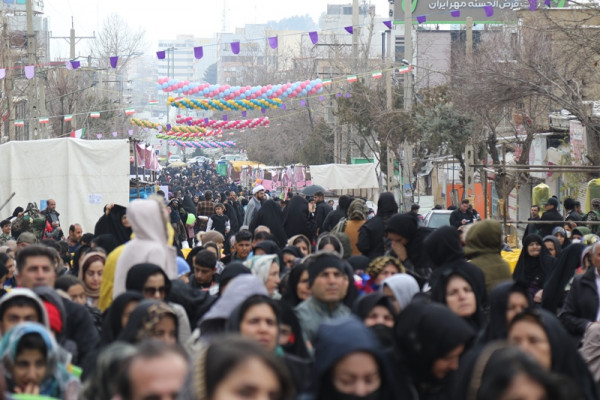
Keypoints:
(462, 215)
(571, 213)
(580, 310)
(550, 214)
(321, 210)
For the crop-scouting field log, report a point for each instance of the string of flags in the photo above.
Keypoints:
(69, 117)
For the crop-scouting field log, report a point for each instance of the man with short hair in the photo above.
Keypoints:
(74, 238)
(321, 209)
(571, 213)
(550, 214)
(328, 281)
(242, 248)
(5, 236)
(53, 218)
(21, 305)
(232, 212)
(462, 216)
(534, 216)
(156, 371)
(582, 305)
(36, 266)
(205, 263)
(26, 239)
(258, 195)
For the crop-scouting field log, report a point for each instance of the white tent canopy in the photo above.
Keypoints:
(344, 176)
(81, 175)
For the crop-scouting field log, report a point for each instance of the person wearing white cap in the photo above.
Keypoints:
(258, 195)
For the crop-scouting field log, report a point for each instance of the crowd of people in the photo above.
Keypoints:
(207, 292)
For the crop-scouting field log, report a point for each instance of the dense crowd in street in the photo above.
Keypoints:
(210, 292)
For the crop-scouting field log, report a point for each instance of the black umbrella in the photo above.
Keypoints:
(312, 189)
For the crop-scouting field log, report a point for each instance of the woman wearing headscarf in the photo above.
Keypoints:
(297, 289)
(534, 266)
(151, 319)
(259, 318)
(458, 290)
(91, 275)
(267, 247)
(506, 300)
(151, 242)
(379, 270)
(371, 233)
(347, 357)
(541, 335)
(400, 289)
(357, 216)
(377, 312)
(297, 220)
(301, 242)
(558, 283)
(270, 215)
(32, 344)
(114, 222)
(553, 245)
(483, 247)
(266, 268)
(152, 282)
(430, 340)
(105, 242)
(117, 315)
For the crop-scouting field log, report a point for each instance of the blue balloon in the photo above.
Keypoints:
(186, 88)
(227, 92)
(159, 86)
(269, 92)
(303, 92)
(205, 91)
(242, 96)
(247, 93)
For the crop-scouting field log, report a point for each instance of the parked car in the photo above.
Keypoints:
(199, 160)
(174, 158)
(437, 218)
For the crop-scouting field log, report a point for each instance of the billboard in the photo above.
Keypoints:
(21, 5)
(456, 12)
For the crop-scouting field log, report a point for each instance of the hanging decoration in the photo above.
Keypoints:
(227, 92)
(222, 105)
(224, 124)
(201, 145)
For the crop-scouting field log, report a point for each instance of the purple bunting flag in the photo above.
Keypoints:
(532, 5)
(302, 103)
(263, 110)
(115, 134)
(314, 36)
(388, 24)
(2, 73)
(130, 132)
(235, 47)
(348, 95)
(455, 13)
(349, 29)
(99, 136)
(489, 11)
(338, 94)
(224, 117)
(321, 98)
(75, 64)
(206, 120)
(113, 61)
(273, 42)
(421, 19)
(159, 128)
(168, 127)
(29, 71)
(161, 54)
(283, 106)
(198, 52)
(244, 114)
(547, 3)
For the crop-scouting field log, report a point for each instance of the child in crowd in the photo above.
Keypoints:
(219, 222)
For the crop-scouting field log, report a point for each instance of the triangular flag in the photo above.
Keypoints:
(19, 122)
(489, 11)
(129, 111)
(326, 82)
(405, 69)
(68, 117)
(273, 42)
(198, 52)
(235, 47)
(349, 29)
(455, 13)
(388, 24)
(352, 78)
(29, 71)
(75, 64)
(421, 19)
(113, 61)
(314, 36)
(377, 74)
(95, 114)
(153, 102)
(44, 120)
(160, 54)
(2, 73)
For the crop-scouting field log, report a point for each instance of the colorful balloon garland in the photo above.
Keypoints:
(221, 124)
(226, 92)
(223, 105)
(202, 145)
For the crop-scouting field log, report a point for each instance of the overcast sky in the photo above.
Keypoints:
(165, 19)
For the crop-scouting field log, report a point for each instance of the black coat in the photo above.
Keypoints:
(457, 216)
(552, 215)
(321, 211)
(581, 304)
(232, 213)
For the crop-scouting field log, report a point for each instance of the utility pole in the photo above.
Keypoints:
(388, 103)
(8, 79)
(37, 92)
(408, 97)
(469, 42)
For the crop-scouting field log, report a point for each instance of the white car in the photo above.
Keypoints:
(174, 158)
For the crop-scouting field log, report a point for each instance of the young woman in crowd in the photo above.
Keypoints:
(297, 289)
(151, 319)
(534, 266)
(400, 290)
(90, 274)
(301, 242)
(266, 268)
